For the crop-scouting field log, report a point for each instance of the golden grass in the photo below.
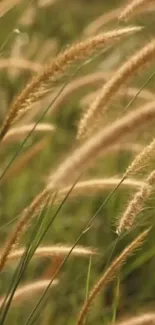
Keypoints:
(38, 86)
(93, 186)
(55, 250)
(143, 319)
(132, 8)
(100, 21)
(102, 141)
(28, 291)
(109, 274)
(141, 160)
(7, 5)
(20, 63)
(100, 104)
(92, 79)
(135, 205)
(21, 226)
(24, 159)
(17, 133)
(81, 158)
(96, 25)
(44, 3)
(122, 93)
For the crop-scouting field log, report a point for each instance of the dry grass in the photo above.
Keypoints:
(38, 86)
(17, 133)
(109, 274)
(24, 159)
(100, 104)
(100, 22)
(22, 226)
(135, 205)
(20, 64)
(29, 290)
(63, 168)
(144, 319)
(55, 250)
(81, 157)
(132, 8)
(7, 5)
(95, 186)
(125, 92)
(142, 159)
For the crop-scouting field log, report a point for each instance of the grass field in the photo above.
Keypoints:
(77, 178)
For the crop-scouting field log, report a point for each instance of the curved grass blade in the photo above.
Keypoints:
(88, 225)
(21, 266)
(43, 115)
(139, 91)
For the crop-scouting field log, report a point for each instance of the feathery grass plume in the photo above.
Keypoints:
(132, 7)
(144, 319)
(100, 104)
(20, 63)
(109, 274)
(79, 83)
(95, 26)
(141, 160)
(39, 84)
(100, 21)
(28, 290)
(25, 158)
(20, 131)
(130, 91)
(55, 250)
(136, 204)
(22, 225)
(37, 108)
(81, 158)
(89, 187)
(28, 16)
(47, 50)
(127, 146)
(7, 5)
(44, 3)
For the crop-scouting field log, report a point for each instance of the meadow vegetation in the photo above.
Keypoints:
(77, 148)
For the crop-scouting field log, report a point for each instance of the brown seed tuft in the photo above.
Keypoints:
(109, 274)
(39, 85)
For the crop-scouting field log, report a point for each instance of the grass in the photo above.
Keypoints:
(79, 198)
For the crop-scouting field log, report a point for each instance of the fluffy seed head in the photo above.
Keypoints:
(39, 85)
(132, 8)
(110, 274)
(100, 104)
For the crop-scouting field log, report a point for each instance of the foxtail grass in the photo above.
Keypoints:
(17, 133)
(29, 290)
(6, 5)
(136, 204)
(22, 224)
(132, 8)
(25, 159)
(20, 63)
(143, 319)
(100, 104)
(83, 156)
(81, 159)
(55, 250)
(92, 186)
(145, 94)
(38, 86)
(109, 274)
